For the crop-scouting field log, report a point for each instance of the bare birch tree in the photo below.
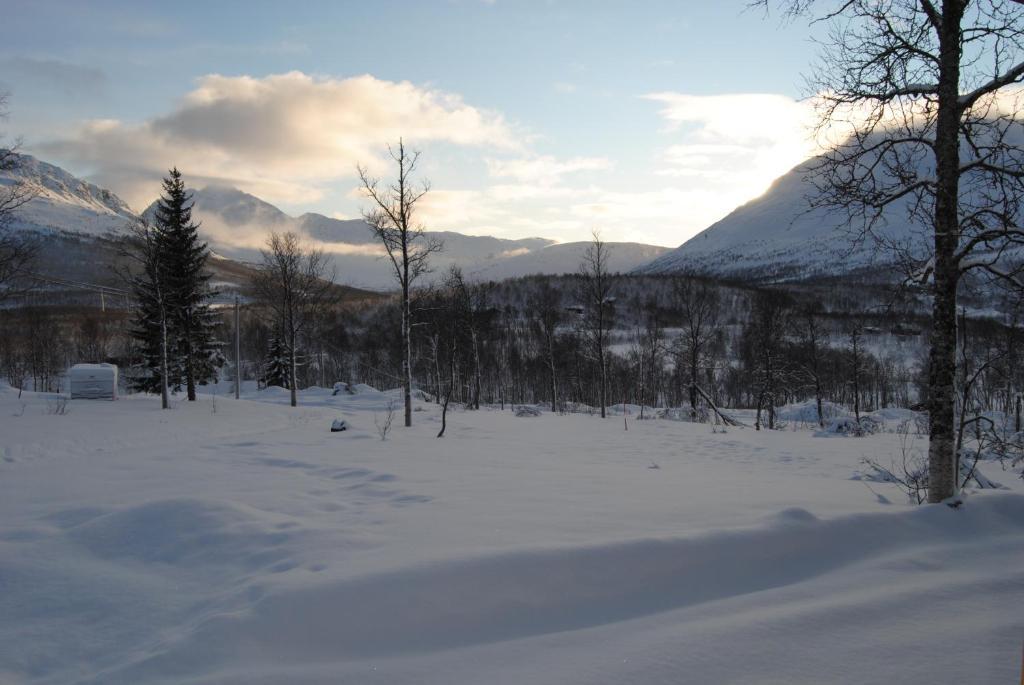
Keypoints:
(699, 306)
(813, 337)
(595, 286)
(856, 338)
(296, 284)
(925, 95)
(546, 306)
(17, 251)
(392, 220)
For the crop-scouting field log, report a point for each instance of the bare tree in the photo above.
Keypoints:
(927, 92)
(296, 283)
(812, 340)
(857, 361)
(546, 305)
(408, 247)
(763, 341)
(698, 304)
(595, 287)
(17, 251)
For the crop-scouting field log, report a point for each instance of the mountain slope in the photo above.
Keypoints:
(237, 223)
(78, 218)
(565, 258)
(774, 236)
(76, 225)
(64, 202)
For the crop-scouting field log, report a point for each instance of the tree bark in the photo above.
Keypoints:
(551, 368)
(164, 366)
(942, 357)
(694, 363)
(190, 378)
(292, 371)
(406, 353)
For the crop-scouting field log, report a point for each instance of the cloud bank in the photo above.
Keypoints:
(743, 140)
(283, 137)
(295, 139)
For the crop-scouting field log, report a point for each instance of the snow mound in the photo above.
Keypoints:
(183, 532)
(807, 412)
(530, 593)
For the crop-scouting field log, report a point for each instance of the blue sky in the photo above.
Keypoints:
(645, 120)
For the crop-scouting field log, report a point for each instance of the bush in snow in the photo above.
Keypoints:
(341, 387)
(384, 424)
(57, 406)
(847, 425)
(524, 410)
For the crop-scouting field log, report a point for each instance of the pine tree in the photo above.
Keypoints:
(153, 321)
(276, 364)
(184, 258)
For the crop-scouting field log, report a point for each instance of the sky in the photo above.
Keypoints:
(647, 121)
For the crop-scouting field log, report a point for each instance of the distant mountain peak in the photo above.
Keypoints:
(50, 182)
(64, 202)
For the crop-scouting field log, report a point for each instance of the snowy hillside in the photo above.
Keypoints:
(64, 202)
(774, 236)
(565, 258)
(240, 542)
(237, 223)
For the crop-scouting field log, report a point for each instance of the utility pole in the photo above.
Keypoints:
(238, 352)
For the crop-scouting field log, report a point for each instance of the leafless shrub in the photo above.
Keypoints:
(909, 471)
(384, 425)
(56, 406)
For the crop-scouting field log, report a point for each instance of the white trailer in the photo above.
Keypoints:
(93, 381)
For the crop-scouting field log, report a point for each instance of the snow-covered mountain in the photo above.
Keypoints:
(774, 236)
(237, 223)
(64, 202)
(565, 258)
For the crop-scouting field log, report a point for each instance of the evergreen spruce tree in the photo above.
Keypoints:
(276, 365)
(183, 257)
(153, 320)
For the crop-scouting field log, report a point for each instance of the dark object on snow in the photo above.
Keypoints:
(338, 425)
(524, 410)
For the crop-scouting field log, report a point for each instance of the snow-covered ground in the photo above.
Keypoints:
(240, 542)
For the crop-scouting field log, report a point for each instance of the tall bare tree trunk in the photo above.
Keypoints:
(407, 350)
(164, 366)
(190, 377)
(293, 369)
(942, 358)
(694, 363)
(551, 368)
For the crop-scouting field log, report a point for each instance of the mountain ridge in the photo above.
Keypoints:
(236, 223)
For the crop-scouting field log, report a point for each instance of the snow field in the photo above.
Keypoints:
(241, 542)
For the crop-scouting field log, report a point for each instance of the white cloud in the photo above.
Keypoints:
(544, 169)
(282, 137)
(741, 141)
